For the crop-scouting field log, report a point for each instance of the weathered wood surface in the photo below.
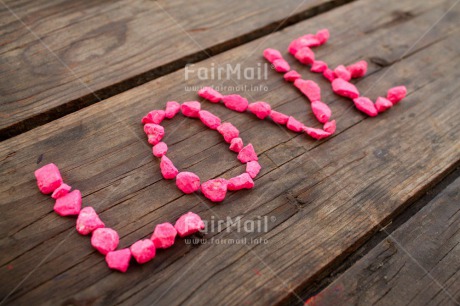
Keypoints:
(327, 197)
(419, 264)
(81, 47)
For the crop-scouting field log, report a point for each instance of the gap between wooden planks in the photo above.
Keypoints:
(114, 171)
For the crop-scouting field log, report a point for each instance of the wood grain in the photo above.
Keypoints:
(327, 197)
(418, 265)
(60, 56)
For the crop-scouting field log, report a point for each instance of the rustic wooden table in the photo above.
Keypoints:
(367, 216)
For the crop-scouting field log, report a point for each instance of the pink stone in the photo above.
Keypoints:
(168, 170)
(308, 40)
(330, 127)
(329, 74)
(236, 144)
(188, 182)
(228, 130)
(342, 72)
(294, 125)
(260, 109)
(242, 181)
(155, 116)
(154, 133)
(271, 55)
(344, 88)
(309, 88)
(160, 149)
(321, 111)
(68, 205)
(48, 178)
(281, 65)
(247, 154)
(235, 102)
(305, 56)
(215, 190)
(88, 221)
(172, 108)
(358, 69)
(292, 75)
(382, 104)
(317, 133)
(318, 66)
(191, 108)
(104, 240)
(210, 94)
(366, 106)
(396, 94)
(188, 224)
(163, 236)
(62, 190)
(253, 168)
(322, 36)
(209, 119)
(118, 260)
(278, 117)
(143, 250)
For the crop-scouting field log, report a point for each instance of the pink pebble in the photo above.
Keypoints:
(271, 55)
(48, 178)
(358, 69)
(253, 168)
(168, 170)
(210, 94)
(321, 111)
(396, 94)
(344, 88)
(305, 56)
(281, 65)
(260, 109)
(309, 89)
(330, 127)
(155, 116)
(88, 221)
(236, 144)
(247, 154)
(215, 190)
(68, 205)
(292, 75)
(382, 104)
(342, 72)
(329, 74)
(278, 117)
(242, 181)
(172, 108)
(322, 36)
(118, 260)
(163, 236)
(188, 224)
(105, 240)
(318, 66)
(235, 102)
(62, 190)
(154, 133)
(308, 40)
(143, 250)
(294, 125)
(191, 108)
(228, 130)
(366, 106)
(160, 149)
(188, 182)
(209, 119)
(317, 133)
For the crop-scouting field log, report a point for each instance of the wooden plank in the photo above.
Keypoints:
(82, 52)
(327, 197)
(418, 264)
